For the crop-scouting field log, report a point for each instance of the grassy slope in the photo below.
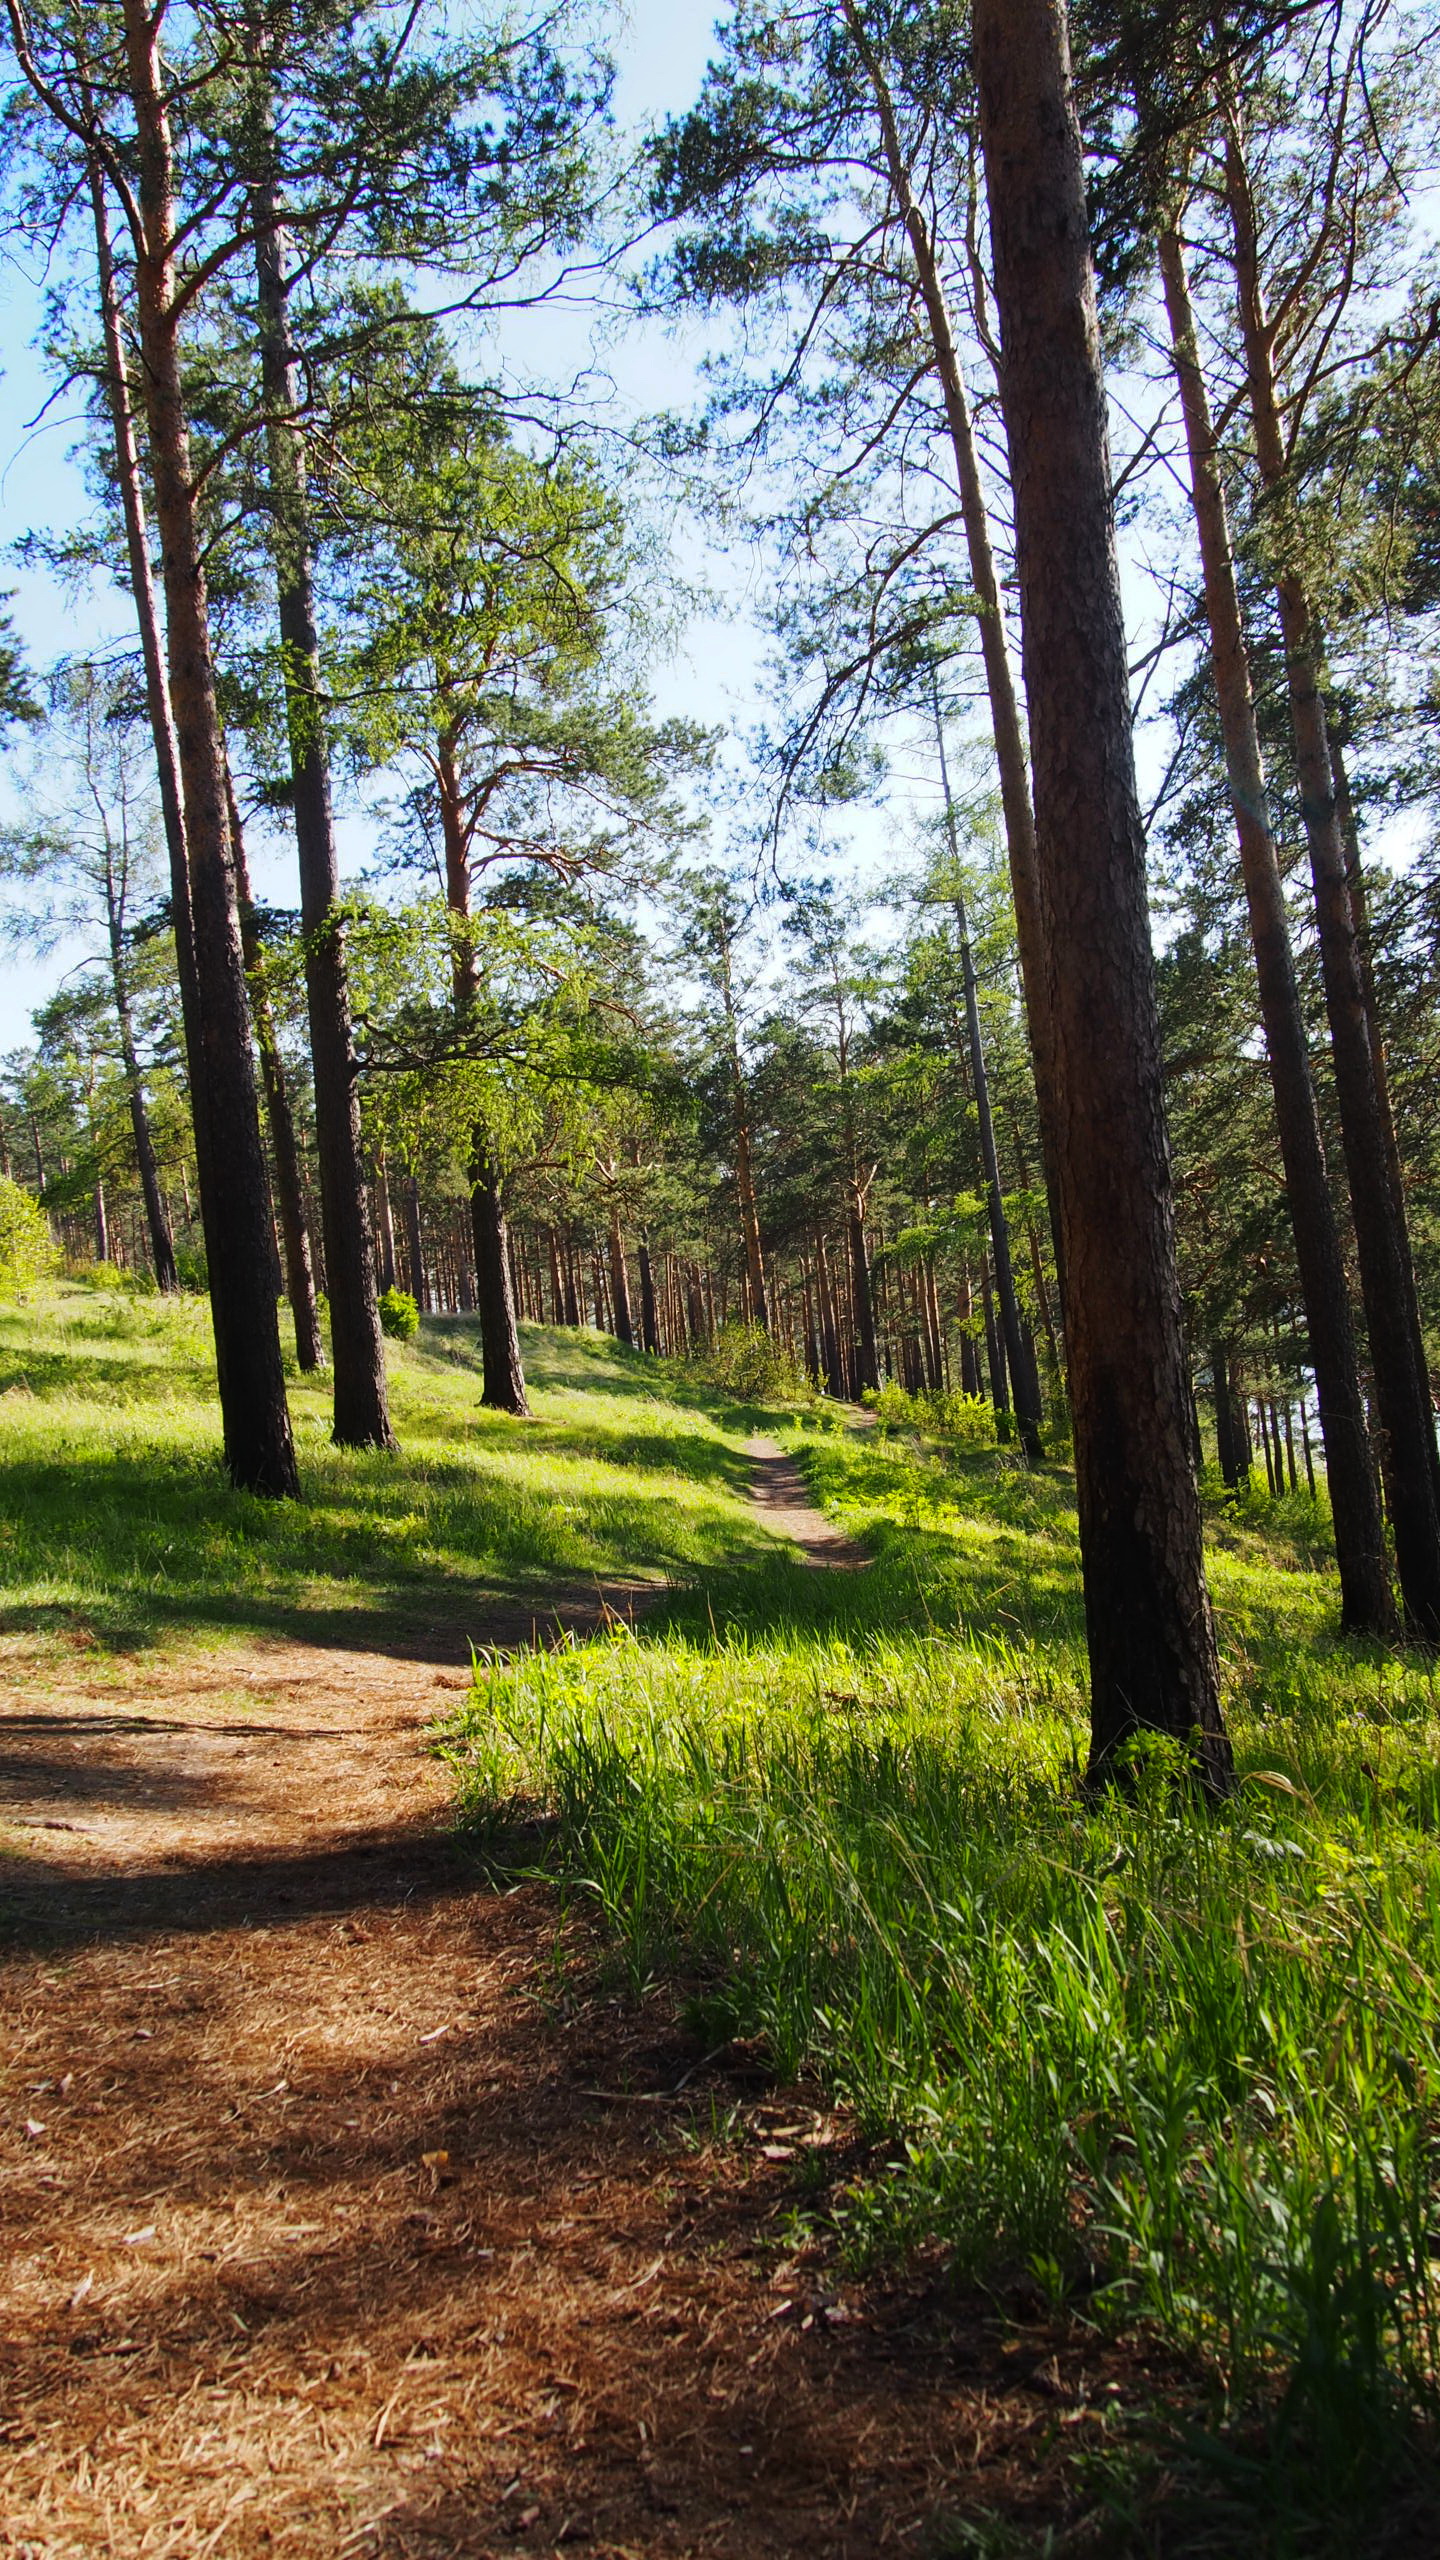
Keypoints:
(116, 1521)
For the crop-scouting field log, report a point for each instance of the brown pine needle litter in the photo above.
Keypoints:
(323, 2231)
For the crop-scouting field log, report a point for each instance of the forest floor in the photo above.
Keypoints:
(343, 2216)
(367, 2188)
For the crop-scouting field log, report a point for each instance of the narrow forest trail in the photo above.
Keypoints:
(338, 2220)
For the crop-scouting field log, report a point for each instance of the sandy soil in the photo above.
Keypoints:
(347, 2210)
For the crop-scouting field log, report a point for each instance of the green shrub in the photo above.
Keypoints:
(967, 1422)
(27, 1248)
(399, 1315)
(744, 1361)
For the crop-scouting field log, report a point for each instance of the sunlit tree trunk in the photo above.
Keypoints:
(259, 1449)
(1153, 1664)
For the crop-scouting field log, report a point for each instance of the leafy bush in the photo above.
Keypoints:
(27, 1249)
(399, 1315)
(968, 1422)
(744, 1361)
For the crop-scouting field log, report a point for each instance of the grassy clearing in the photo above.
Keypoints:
(1170, 2065)
(117, 1525)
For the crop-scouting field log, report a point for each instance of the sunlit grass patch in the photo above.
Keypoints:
(1174, 2065)
(116, 1518)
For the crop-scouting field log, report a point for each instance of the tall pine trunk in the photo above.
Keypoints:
(649, 1315)
(1153, 1664)
(1027, 1400)
(1005, 723)
(1402, 1396)
(620, 1288)
(157, 690)
(362, 1414)
(1365, 1600)
(504, 1386)
(259, 1449)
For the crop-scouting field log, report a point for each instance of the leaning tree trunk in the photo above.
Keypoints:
(284, 1146)
(1365, 1600)
(259, 1449)
(362, 1413)
(1402, 1394)
(1153, 1663)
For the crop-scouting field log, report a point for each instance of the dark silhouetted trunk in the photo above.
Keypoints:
(620, 1288)
(504, 1370)
(385, 1222)
(259, 1450)
(867, 1358)
(649, 1317)
(1153, 1664)
(362, 1412)
(1227, 1439)
(1366, 1604)
(504, 1386)
(415, 1244)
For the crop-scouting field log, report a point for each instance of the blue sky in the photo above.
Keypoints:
(662, 48)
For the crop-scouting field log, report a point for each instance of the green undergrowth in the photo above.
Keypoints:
(1177, 2066)
(118, 1527)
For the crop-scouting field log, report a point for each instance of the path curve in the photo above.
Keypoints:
(782, 1498)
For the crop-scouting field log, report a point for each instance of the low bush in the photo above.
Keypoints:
(27, 1248)
(399, 1315)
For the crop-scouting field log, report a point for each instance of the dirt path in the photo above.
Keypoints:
(782, 1498)
(337, 2221)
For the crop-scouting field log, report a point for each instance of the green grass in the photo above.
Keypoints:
(1179, 2066)
(117, 1525)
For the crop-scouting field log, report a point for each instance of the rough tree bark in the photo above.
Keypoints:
(362, 1413)
(1153, 1664)
(259, 1449)
(1365, 1600)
